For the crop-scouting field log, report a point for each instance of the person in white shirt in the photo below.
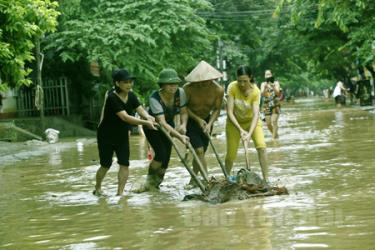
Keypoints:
(339, 94)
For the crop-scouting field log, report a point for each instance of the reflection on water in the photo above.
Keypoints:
(339, 119)
(324, 156)
(54, 158)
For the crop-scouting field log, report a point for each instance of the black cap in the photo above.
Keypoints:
(121, 75)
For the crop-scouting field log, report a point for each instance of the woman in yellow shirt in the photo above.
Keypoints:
(243, 119)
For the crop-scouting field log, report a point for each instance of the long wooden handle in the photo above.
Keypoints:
(246, 155)
(191, 172)
(196, 158)
(217, 156)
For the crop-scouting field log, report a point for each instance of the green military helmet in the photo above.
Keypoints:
(168, 76)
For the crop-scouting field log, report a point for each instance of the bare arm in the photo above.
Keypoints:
(162, 122)
(183, 120)
(232, 118)
(216, 111)
(255, 118)
(206, 126)
(276, 88)
(201, 122)
(343, 89)
(263, 88)
(123, 115)
(190, 113)
(144, 114)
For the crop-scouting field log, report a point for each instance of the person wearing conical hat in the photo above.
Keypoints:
(204, 100)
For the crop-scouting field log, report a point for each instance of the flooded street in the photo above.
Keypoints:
(324, 156)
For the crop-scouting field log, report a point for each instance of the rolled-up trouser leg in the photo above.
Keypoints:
(155, 174)
(162, 148)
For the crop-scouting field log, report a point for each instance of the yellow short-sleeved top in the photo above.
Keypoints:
(243, 105)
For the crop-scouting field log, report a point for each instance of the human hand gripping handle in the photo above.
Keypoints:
(244, 135)
(151, 124)
(184, 139)
(191, 172)
(208, 128)
(245, 145)
(181, 129)
(151, 118)
(203, 124)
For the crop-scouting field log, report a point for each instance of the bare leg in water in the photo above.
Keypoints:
(269, 123)
(275, 126)
(200, 153)
(100, 174)
(263, 163)
(123, 174)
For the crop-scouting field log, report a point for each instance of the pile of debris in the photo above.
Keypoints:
(246, 184)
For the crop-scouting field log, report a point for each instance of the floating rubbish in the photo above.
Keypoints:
(52, 135)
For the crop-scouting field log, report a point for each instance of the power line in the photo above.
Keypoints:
(218, 17)
(219, 13)
(244, 12)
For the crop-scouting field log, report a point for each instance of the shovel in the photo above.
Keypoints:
(196, 158)
(244, 143)
(217, 156)
(191, 172)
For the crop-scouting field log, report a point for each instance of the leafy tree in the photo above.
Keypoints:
(339, 35)
(239, 25)
(253, 35)
(21, 23)
(304, 42)
(354, 18)
(143, 36)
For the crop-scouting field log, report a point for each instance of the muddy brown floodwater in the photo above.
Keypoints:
(325, 157)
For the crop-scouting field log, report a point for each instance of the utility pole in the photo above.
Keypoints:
(219, 55)
(221, 62)
(225, 75)
(39, 82)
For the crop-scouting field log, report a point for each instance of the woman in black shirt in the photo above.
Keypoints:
(113, 129)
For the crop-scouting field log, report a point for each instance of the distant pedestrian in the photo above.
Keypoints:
(113, 129)
(271, 106)
(339, 94)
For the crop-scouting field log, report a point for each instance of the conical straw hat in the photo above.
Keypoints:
(203, 72)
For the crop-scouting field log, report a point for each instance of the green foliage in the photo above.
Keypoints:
(340, 35)
(254, 35)
(142, 36)
(21, 23)
(356, 20)
(239, 24)
(304, 42)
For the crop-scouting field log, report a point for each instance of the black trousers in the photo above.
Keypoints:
(161, 146)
